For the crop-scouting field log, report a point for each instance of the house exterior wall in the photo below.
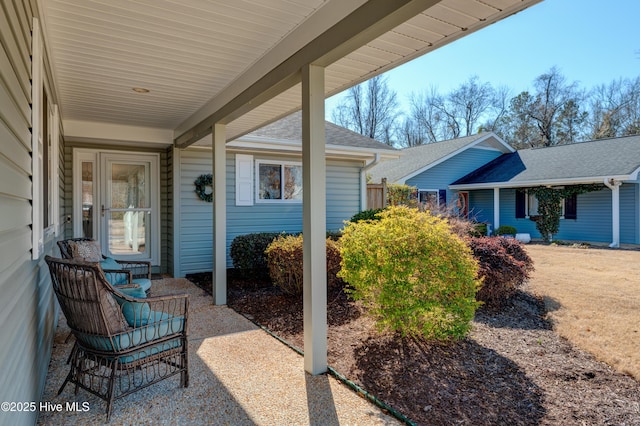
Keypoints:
(443, 174)
(593, 221)
(194, 217)
(28, 312)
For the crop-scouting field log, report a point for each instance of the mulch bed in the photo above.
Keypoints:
(513, 369)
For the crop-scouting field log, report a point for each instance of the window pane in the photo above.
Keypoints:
(269, 178)
(128, 186)
(127, 232)
(87, 200)
(293, 182)
(533, 205)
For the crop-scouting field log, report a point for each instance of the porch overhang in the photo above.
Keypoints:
(547, 182)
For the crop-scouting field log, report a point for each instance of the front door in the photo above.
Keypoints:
(116, 202)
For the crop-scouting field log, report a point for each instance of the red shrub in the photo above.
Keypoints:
(503, 264)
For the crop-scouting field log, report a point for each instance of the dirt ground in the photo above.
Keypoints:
(513, 369)
(593, 299)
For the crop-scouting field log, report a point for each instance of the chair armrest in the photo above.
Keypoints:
(138, 268)
(112, 274)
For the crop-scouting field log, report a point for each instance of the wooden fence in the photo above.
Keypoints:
(377, 195)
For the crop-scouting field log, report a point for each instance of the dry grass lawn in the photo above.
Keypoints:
(593, 298)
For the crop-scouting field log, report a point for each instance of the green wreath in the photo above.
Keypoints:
(201, 187)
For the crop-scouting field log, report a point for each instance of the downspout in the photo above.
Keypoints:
(614, 186)
(363, 180)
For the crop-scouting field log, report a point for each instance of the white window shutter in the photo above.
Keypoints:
(244, 180)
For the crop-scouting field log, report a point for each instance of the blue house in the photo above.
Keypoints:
(264, 187)
(489, 180)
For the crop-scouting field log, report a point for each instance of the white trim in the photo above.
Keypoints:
(525, 184)
(437, 191)
(55, 172)
(219, 164)
(614, 186)
(177, 214)
(80, 156)
(496, 208)
(441, 160)
(314, 221)
(37, 243)
(99, 157)
(257, 143)
(282, 164)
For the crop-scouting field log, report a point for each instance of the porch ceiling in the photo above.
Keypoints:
(195, 56)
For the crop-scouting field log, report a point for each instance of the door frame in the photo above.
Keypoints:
(81, 155)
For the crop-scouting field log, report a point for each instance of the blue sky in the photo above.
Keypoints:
(590, 41)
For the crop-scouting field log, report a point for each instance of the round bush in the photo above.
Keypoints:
(284, 260)
(412, 273)
(504, 265)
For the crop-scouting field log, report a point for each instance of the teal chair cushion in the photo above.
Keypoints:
(114, 279)
(159, 325)
(144, 283)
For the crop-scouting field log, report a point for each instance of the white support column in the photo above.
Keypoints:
(314, 215)
(496, 208)
(614, 185)
(219, 216)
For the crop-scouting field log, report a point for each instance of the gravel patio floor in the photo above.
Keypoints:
(239, 375)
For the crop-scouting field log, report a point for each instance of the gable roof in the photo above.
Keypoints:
(584, 162)
(417, 159)
(286, 134)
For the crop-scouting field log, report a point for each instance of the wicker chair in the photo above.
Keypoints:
(122, 272)
(123, 344)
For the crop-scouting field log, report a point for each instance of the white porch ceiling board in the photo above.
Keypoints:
(189, 51)
(183, 51)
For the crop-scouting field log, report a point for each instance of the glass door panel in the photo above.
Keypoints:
(127, 208)
(88, 193)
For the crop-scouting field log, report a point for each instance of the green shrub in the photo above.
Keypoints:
(413, 274)
(401, 195)
(247, 253)
(366, 215)
(504, 265)
(479, 230)
(506, 230)
(284, 260)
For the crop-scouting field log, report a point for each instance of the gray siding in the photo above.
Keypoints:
(447, 172)
(593, 221)
(196, 216)
(27, 307)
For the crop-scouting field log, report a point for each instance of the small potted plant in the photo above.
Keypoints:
(506, 231)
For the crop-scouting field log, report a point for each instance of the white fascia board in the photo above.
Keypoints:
(278, 145)
(546, 182)
(105, 133)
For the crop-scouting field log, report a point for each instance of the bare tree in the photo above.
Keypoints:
(467, 104)
(552, 110)
(426, 116)
(370, 109)
(615, 109)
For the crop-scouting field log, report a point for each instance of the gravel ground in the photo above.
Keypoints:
(239, 375)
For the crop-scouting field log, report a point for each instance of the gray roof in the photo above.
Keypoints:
(580, 162)
(420, 158)
(290, 129)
